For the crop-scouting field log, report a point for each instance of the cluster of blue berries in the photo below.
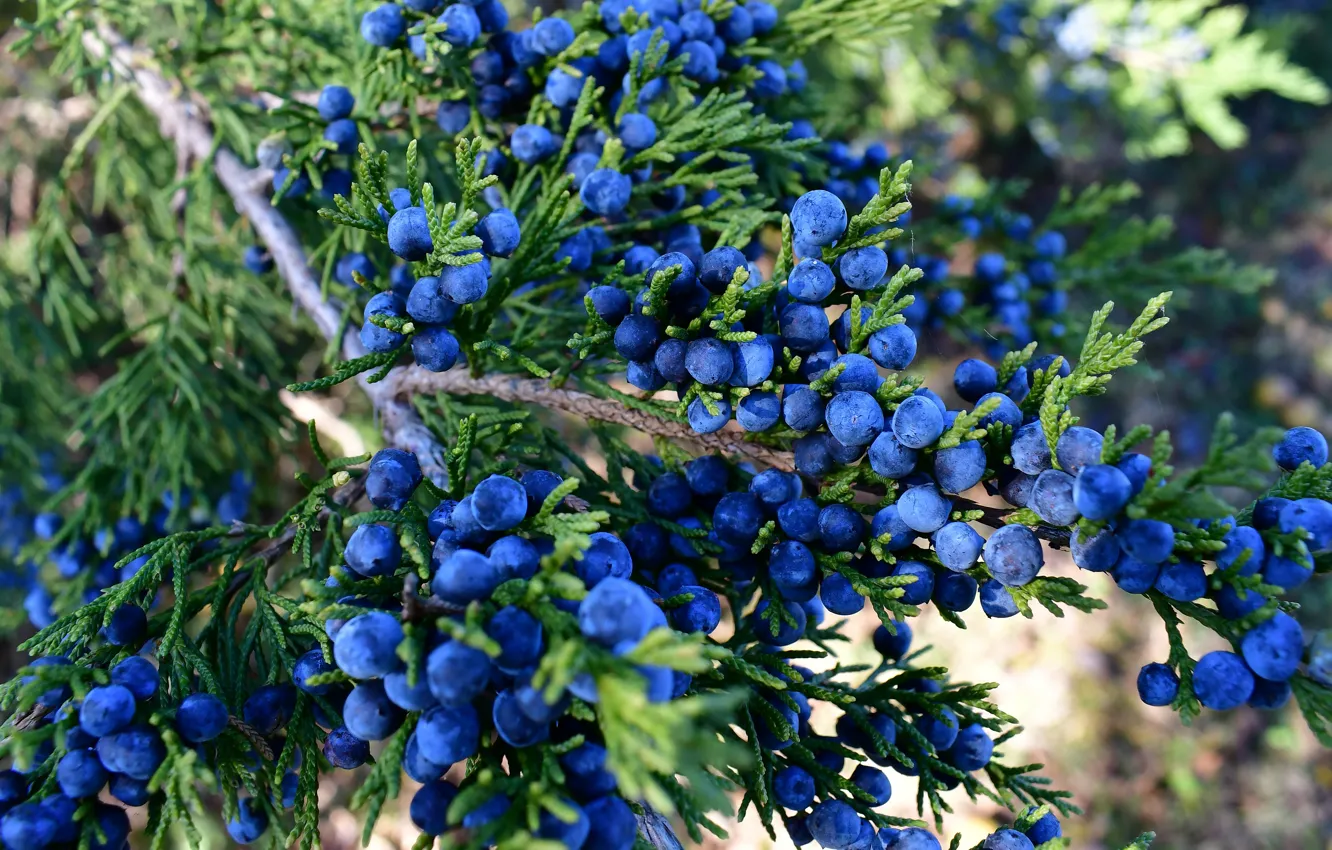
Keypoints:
(107, 740)
(466, 686)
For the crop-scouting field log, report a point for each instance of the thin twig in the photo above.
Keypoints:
(181, 122)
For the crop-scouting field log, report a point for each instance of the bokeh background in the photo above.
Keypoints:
(1052, 93)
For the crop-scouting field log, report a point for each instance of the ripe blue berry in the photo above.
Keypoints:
(391, 479)
(893, 646)
(435, 349)
(779, 630)
(106, 709)
(457, 673)
(704, 421)
(137, 752)
(202, 717)
(961, 467)
(28, 825)
(1289, 570)
(1184, 581)
(972, 750)
(793, 570)
(382, 27)
(519, 636)
(919, 591)
(1298, 446)
(839, 597)
(618, 610)
(924, 509)
(954, 591)
(863, 269)
(1045, 829)
(855, 418)
(1272, 649)
(1312, 515)
(636, 338)
(1221, 681)
(1078, 447)
(366, 647)
(335, 102)
(1052, 497)
(531, 143)
(368, 712)
(833, 823)
(499, 232)
(918, 422)
(752, 363)
(1157, 684)
(430, 806)
(700, 614)
(251, 820)
(409, 234)
(841, 528)
(80, 774)
(804, 327)
(719, 267)
(996, 601)
(373, 550)
(958, 546)
(818, 218)
(269, 708)
(553, 36)
(1149, 540)
(893, 347)
(606, 191)
(1007, 839)
(1013, 555)
(708, 361)
(1101, 491)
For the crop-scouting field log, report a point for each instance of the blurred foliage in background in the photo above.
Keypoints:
(1217, 110)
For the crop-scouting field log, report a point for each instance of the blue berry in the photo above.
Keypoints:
(924, 509)
(130, 791)
(961, 467)
(793, 570)
(893, 347)
(106, 709)
(1270, 695)
(1312, 515)
(136, 752)
(704, 421)
(28, 825)
(335, 102)
(382, 27)
(779, 631)
(345, 750)
(752, 363)
(435, 349)
(818, 217)
(1007, 839)
(1045, 829)
(1272, 649)
(269, 708)
(531, 144)
(344, 135)
(737, 518)
(804, 327)
(637, 131)
(973, 379)
(863, 269)
(958, 546)
(457, 673)
(855, 418)
(1221, 681)
(1101, 491)
(1030, 451)
(617, 611)
(857, 373)
(1051, 245)
(1234, 604)
(1157, 684)
(810, 281)
(1288, 570)
(201, 717)
(636, 338)
(1184, 581)
(873, 782)
(799, 520)
(465, 576)
(1078, 447)
(1052, 497)
(972, 749)
(793, 788)
(366, 648)
(500, 233)
(606, 191)
(391, 479)
(839, 597)
(833, 823)
(251, 820)
(1097, 553)
(841, 528)
(954, 591)
(553, 36)
(918, 422)
(80, 774)
(409, 697)
(708, 361)
(1298, 446)
(430, 806)
(919, 591)
(369, 714)
(373, 550)
(409, 234)
(519, 636)
(1148, 540)
(719, 267)
(803, 409)
(700, 614)
(1133, 575)
(1013, 555)
(893, 646)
